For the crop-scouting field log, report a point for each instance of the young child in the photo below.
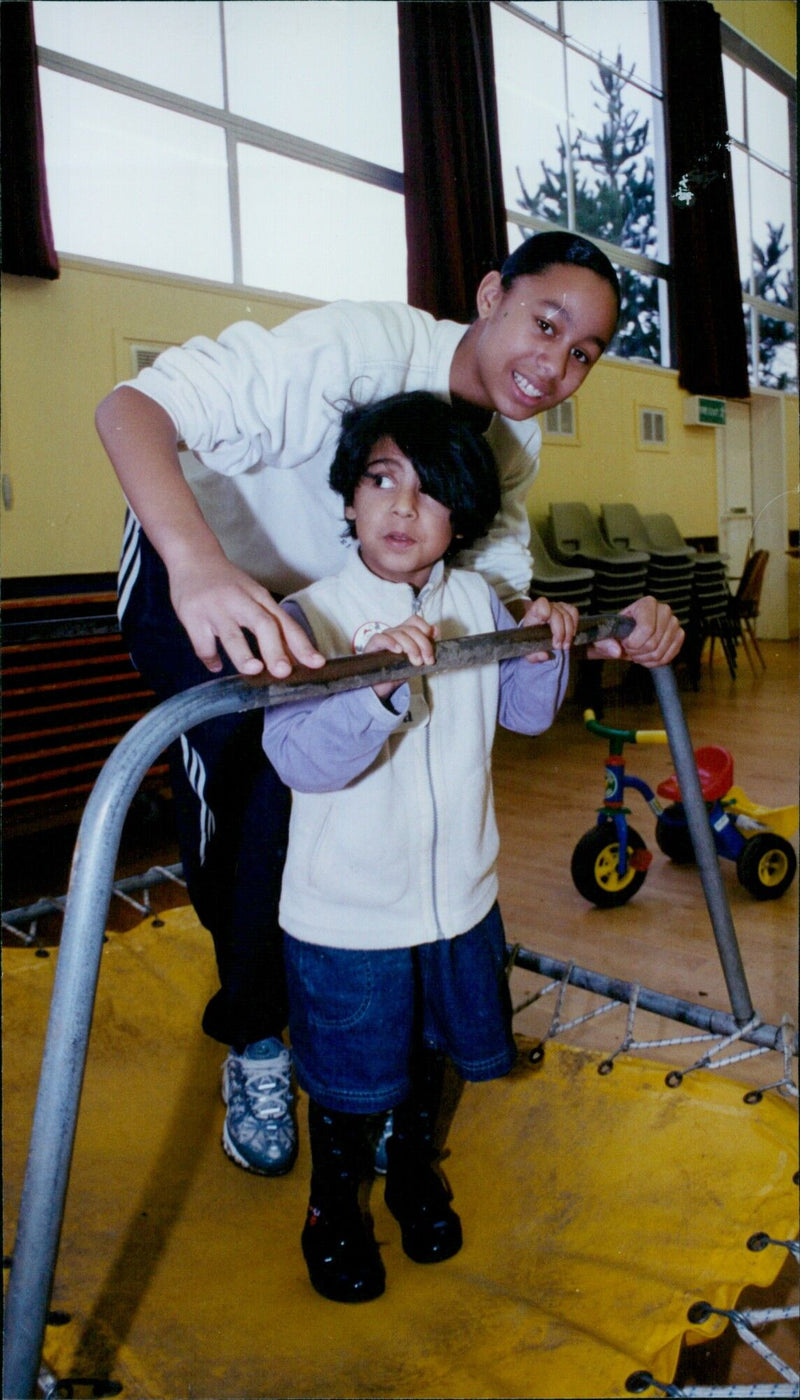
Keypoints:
(394, 944)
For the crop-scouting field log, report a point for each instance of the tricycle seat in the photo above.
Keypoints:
(714, 769)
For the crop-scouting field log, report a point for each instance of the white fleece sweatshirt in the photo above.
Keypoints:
(260, 411)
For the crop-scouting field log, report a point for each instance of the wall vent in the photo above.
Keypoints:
(143, 353)
(652, 427)
(560, 421)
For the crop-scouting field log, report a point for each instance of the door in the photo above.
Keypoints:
(735, 486)
(751, 496)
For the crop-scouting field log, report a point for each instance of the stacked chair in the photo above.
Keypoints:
(710, 612)
(561, 583)
(576, 540)
(671, 567)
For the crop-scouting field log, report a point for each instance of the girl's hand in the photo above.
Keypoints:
(562, 619)
(216, 601)
(655, 640)
(414, 638)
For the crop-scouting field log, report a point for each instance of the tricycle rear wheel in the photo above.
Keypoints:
(766, 865)
(595, 866)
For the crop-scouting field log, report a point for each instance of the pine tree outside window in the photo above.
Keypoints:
(760, 122)
(581, 134)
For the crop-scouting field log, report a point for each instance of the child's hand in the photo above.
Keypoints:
(655, 640)
(562, 619)
(414, 638)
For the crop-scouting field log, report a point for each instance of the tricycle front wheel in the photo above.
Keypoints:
(595, 866)
(766, 865)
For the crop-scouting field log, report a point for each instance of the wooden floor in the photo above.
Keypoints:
(548, 790)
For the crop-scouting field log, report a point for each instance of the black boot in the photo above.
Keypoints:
(344, 1262)
(416, 1193)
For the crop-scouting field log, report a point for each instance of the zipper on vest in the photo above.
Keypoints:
(434, 813)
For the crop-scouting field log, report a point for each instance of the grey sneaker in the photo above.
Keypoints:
(260, 1132)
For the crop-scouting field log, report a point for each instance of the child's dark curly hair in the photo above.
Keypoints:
(455, 464)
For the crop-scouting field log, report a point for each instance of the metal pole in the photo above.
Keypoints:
(67, 1040)
(703, 841)
(66, 1044)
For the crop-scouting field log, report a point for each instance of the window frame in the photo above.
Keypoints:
(736, 47)
(236, 130)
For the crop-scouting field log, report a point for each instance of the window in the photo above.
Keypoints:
(580, 112)
(759, 100)
(211, 140)
(560, 421)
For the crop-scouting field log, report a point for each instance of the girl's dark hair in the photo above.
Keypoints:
(545, 250)
(454, 463)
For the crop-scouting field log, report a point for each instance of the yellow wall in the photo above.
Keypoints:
(769, 24)
(65, 344)
(607, 462)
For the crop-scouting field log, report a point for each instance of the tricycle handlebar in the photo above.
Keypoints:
(625, 736)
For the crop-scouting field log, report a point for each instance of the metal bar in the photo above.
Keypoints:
(704, 1018)
(158, 875)
(703, 841)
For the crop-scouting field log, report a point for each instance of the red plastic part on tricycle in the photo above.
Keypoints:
(714, 769)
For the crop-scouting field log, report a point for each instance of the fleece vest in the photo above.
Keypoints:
(406, 853)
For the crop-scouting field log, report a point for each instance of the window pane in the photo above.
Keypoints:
(174, 46)
(740, 167)
(734, 97)
(532, 114)
(777, 353)
(611, 26)
(767, 121)
(133, 183)
(639, 330)
(318, 234)
(612, 128)
(326, 70)
(772, 235)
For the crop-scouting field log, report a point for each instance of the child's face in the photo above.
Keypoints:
(535, 343)
(401, 530)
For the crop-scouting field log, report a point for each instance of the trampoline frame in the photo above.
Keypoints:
(91, 884)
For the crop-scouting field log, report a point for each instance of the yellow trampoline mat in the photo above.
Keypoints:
(596, 1210)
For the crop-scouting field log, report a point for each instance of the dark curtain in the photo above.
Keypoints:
(28, 248)
(709, 327)
(455, 213)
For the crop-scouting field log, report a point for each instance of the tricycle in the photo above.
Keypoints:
(610, 862)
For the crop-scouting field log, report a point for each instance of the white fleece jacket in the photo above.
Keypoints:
(260, 410)
(393, 839)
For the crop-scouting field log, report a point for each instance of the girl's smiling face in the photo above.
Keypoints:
(533, 345)
(401, 530)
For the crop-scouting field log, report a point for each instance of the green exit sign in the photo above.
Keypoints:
(703, 412)
(711, 411)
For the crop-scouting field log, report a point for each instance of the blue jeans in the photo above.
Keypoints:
(357, 1015)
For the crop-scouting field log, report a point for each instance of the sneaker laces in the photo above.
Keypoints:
(268, 1094)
